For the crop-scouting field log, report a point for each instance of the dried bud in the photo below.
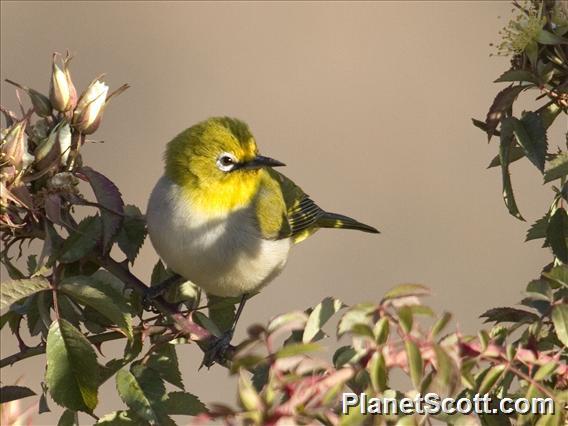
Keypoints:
(55, 147)
(14, 145)
(42, 106)
(61, 88)
(89, 111)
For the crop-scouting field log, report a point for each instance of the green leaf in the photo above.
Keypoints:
(557, 234)
(294, 349)
(165, 361)
(538, 229)
(143, 391)
(344, 355)
(549, 114)
(183, 403)
(202, 320)
(12, 393)
(133, 232)
(102, 298)
(546, 37)
(557, 168)
(502, 102)
(381, 330)
(68, 418)
(378, 372)
(358, 314)
(560, 321)
(406, 290)
(15, 291)
(405, 318)
(121, 418)
(517, 75)
(558, 274)
(82, 241)
(504, 156)
(222, 310)
(492, 375)
(415, 364)
(516, 153)
(109, 197)
(72, 374)
(531, 135)
(319, 317)
(441, 323)
(159, 274)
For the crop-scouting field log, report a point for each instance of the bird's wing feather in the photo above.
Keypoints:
(298, 212)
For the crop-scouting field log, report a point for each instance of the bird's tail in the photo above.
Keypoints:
(334, 220)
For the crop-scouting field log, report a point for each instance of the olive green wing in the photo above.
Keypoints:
(285, 211)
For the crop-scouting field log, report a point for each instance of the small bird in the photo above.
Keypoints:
(223, 218)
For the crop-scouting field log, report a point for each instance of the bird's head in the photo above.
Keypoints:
(217, 163)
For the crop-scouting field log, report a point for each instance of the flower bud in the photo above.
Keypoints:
(14, 145)
(72, 90)
(55, 147)
(89, 110)
(59, 90)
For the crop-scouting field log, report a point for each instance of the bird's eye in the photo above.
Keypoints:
(226, 162)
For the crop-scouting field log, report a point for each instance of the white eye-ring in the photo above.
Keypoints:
(226, 162)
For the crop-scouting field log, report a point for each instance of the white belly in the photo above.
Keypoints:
(226, 256)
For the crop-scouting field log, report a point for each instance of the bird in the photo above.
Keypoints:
(223, 218)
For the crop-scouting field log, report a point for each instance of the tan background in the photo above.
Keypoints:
(369, 104)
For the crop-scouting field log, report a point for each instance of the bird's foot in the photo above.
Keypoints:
(217, 350)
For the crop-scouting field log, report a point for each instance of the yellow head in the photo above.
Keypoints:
(217, 164)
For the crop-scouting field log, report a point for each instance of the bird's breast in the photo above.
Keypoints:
(224, 253)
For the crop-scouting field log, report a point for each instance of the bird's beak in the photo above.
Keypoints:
(259, 162)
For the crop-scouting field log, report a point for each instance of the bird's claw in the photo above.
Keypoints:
(217, 350)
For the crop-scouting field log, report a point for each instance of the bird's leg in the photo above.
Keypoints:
(217, 350)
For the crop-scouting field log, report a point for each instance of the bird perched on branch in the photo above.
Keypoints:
(223, 218)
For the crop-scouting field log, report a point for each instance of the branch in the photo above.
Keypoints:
(40, 349)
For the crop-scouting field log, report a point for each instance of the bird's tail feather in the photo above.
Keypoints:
(334, 220)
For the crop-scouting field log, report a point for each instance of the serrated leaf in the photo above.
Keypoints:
(222, 310)
(504, 156)
(68, 418)
(143, 391)
(560, 321)
(82, 241)
(538, 229)
(515, 154)
(507, 314)
(121, 418)
(319, 317)
(12, 393)
(108, 196)
(133, 232)
(557, 167)
(557, 234)
(102, 298)
(549, 114)
(165, 361)
(406, 290)
(517, 75)
(502, 102)
(159, 274)
(294, 349)
(531, 135)
(15, 291)
(72, 374)
(415, 364)
(183, 403)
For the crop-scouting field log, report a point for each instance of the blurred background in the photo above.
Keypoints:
(369, 105)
